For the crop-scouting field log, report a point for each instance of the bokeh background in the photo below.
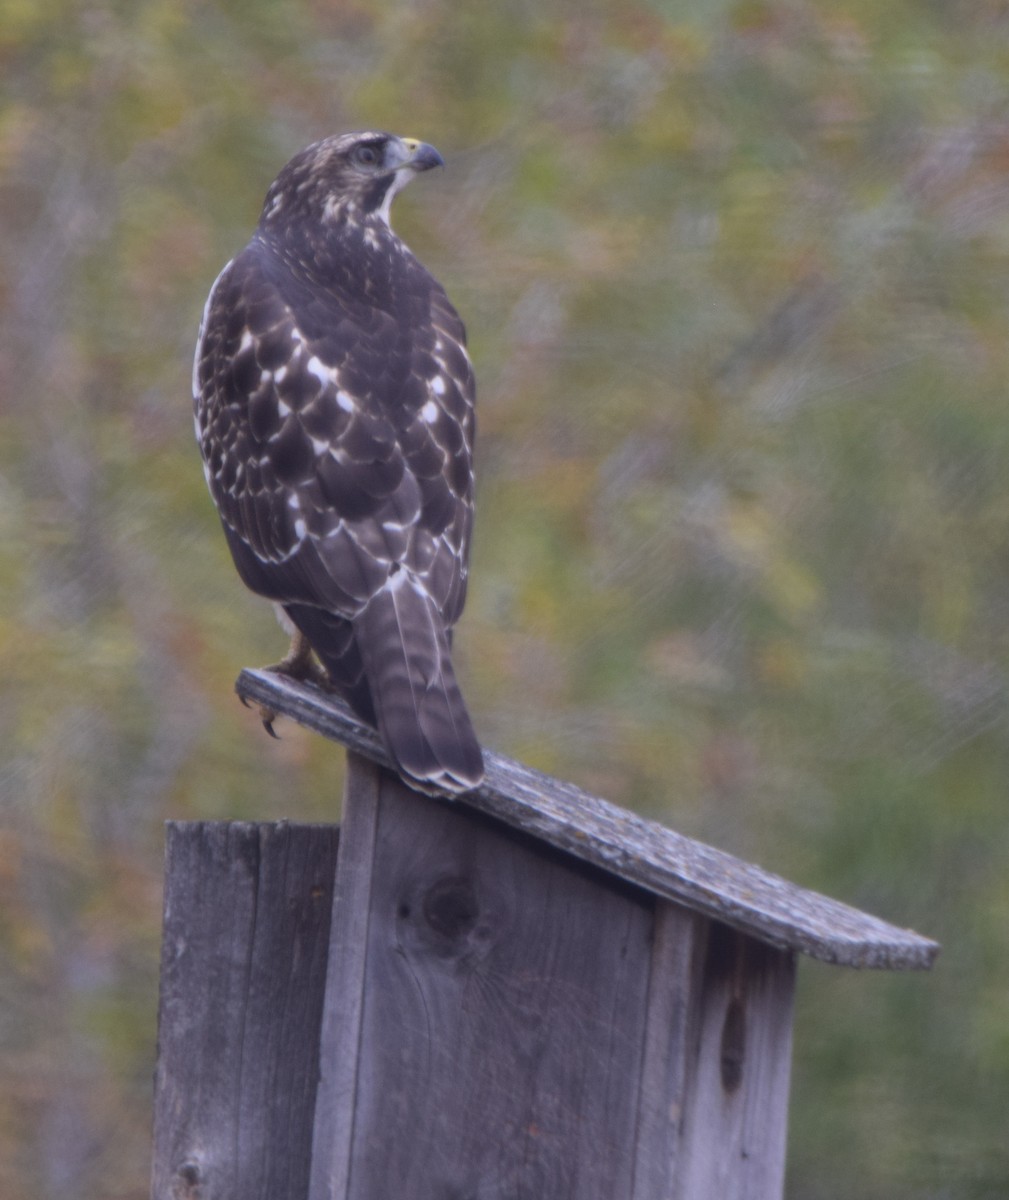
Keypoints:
(736, 274)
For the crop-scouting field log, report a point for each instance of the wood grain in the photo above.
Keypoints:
(243, 969)
(339, 1057)
(679, 936)
(504, 1007)
(706, 880)
(735, 1110)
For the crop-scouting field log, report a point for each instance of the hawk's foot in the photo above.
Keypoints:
(298, 663)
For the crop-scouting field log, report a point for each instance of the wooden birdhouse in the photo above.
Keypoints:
(524, 994)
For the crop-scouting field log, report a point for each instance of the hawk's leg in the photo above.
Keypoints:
(297, 663)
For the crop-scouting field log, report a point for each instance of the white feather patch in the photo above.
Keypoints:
(315, 366)
(203, 326)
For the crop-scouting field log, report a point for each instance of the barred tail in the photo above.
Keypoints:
(419, 709)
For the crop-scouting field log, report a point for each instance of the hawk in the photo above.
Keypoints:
(334, 409)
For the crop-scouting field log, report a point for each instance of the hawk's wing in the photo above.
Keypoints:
(337, 440)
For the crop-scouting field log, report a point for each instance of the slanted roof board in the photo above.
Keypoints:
(700, 877)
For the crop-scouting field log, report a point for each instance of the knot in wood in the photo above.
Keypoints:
(186, 1185)
(450, 907)
(733, 1051)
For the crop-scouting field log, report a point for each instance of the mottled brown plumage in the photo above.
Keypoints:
(334, 410)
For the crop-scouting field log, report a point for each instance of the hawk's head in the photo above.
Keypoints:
(345, 178)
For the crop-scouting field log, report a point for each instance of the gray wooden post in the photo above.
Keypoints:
(530, 993)
(243, 976)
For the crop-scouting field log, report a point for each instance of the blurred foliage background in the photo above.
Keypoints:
(736, 274)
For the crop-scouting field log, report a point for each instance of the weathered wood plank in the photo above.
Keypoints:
(339, 1056)
(243, 969)
(679, 937)
(714, 1090)
(735, 1116)
(643, 852)
(505, 992)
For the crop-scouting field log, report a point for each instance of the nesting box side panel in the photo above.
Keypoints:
(503, 1015)
(243, 970)
(735, 1114)
(678, 940)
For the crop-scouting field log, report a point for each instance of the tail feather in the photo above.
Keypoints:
(420, 711)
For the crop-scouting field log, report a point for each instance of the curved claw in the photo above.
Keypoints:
(266, 715)
(296, 664)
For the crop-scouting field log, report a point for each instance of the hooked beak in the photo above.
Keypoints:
(422, 156)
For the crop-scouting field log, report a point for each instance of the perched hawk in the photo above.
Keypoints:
(334, 410)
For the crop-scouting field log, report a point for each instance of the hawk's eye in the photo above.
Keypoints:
(365, 156)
